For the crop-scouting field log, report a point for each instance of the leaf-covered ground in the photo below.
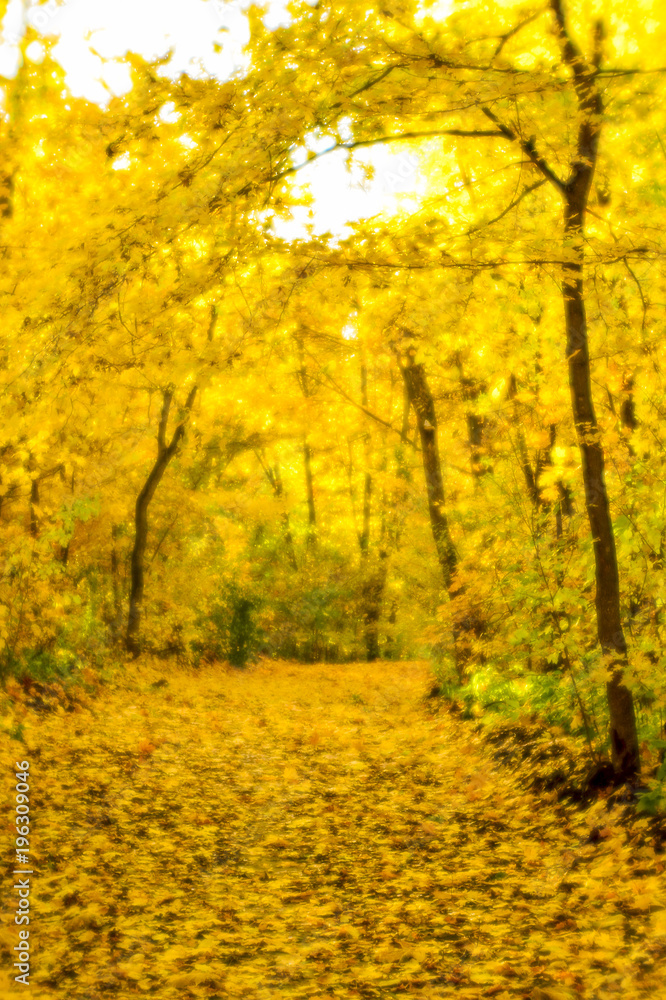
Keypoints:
(312, 831)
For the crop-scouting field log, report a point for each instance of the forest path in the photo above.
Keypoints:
(312, 831)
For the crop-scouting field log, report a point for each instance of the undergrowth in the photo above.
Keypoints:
(554, 710)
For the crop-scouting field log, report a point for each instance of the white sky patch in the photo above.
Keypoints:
(439, 10)
(203, 38)
(121, 162)
(35, 52)
(342, 196)
(168, 113)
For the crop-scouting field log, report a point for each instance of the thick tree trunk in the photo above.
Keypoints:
(624, 739)
(575, 192)
(164, 455)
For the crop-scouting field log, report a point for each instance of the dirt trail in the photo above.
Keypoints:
(297, 831)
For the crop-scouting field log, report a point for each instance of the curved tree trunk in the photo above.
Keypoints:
(164, 455)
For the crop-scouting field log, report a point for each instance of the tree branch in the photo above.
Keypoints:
(514, 31)
(213, 322)
(373, 82)
(527, 146)
(400, 137)
(516, 201)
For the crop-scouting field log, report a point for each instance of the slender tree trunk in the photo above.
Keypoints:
(34, 506)
(273, 476)
(164, 455)
(476, 423)
(364, 538)
(311, 536)
(115, 583)
(373, 570)
(628, 407)
(372, 596)
(424, 407)
(288, 537)
(466, 622)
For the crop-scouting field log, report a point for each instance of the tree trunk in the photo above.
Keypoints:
(421, 399)
(364, 537)
(34, 506)
(273, 476)
(476, 424)
(311, 536)
(164, 455)
(372, 596)
(116, 626)
(575, 192)
(624, 739)
(466, 621)
(373, 571)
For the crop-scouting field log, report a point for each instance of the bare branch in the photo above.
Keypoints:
(359, 406)
(527, 145)
(373, 82)
(400, 137)
(640, 291)
(213, 321)
(514, 31)
(190, 398)
(516, 201)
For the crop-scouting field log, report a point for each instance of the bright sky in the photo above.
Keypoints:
(205, 37)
